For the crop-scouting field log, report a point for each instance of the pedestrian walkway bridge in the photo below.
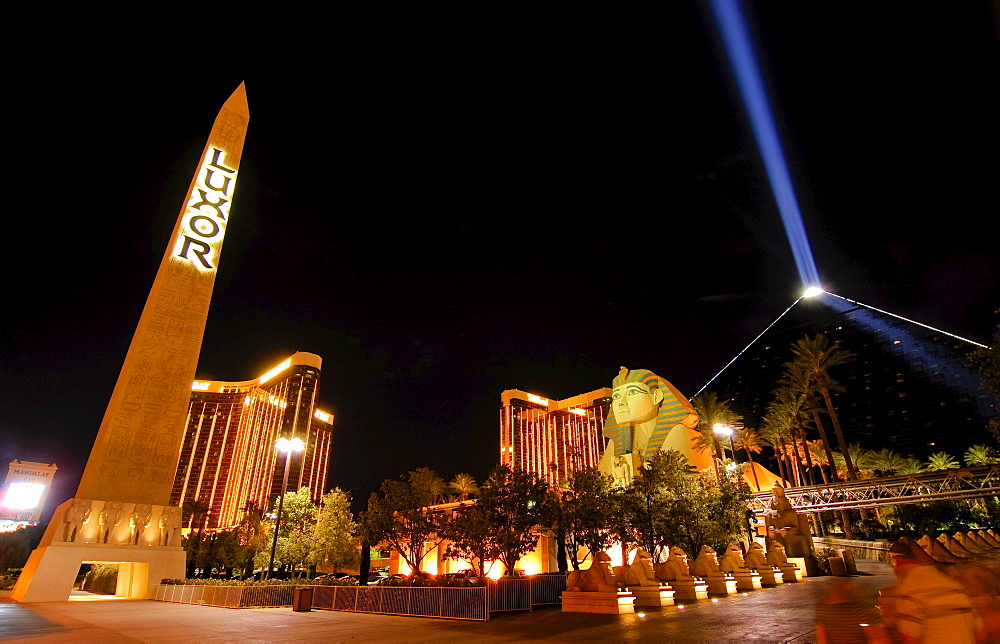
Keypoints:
(951, 485)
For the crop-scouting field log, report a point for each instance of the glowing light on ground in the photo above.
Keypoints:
(743, 61)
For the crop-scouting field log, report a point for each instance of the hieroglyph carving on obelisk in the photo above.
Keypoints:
(138, 445)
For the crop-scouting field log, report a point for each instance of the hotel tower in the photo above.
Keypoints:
(553, 438)
(228, 456)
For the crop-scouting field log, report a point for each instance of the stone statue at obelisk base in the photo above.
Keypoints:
(120, 512)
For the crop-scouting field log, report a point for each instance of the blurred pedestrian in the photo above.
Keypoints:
(930, 606)
(842, 619)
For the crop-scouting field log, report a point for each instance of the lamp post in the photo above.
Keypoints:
(288, 446)
(725, 430)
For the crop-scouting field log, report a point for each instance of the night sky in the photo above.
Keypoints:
(441, 223)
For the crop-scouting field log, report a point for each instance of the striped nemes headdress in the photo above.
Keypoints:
(674, 410)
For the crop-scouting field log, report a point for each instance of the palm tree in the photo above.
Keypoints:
(773, 437)
(911, 466)
(819, 457)
(464, 484)
(800, 382)
(941, 461)
(885, 461)
(980, 455)
(790, 403)
(712, 412)
(748, 441)
(196, 511)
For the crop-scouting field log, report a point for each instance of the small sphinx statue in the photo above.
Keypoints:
(706, 566)
(776, 555)
(597, 578)
(756, 559)
(732, 560)
(936, 550)
(707, 563)
(675, 568)
(640, 572)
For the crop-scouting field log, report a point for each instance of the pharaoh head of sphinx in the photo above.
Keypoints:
(644, 408)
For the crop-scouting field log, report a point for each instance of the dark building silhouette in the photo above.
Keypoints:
(909, 388)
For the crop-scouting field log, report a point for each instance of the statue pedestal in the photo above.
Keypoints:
(652, 595)
(770, 576)
(746, 580)
(612, 603)
(720, 585)
(790, 572)
(689, 589)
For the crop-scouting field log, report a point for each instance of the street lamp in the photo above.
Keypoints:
(725, 430)
(288, 446)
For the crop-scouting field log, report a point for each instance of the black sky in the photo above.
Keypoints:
(444, 223)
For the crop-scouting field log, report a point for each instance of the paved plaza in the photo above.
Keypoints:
(782, 614)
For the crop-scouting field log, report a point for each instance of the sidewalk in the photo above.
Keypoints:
(782, 614)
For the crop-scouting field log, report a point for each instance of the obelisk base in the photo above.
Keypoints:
(612, 603)
(51, 570)
(77, 534)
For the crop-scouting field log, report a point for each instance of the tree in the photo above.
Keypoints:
(195, 511)
(464, 485)
(980, 455)
(514, 501)
(711, 412)
(471, 537)
(911, 466)
(941, 461)
(886, 461)
(816, 356)
(400, 515)
(332, 534)
(587, 509)
(748, 441)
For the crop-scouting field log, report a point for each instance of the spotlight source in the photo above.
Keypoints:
(812, 291)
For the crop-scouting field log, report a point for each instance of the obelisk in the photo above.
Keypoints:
(120, 511)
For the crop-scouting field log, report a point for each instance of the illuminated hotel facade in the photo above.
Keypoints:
(553, 438)
(228, 456)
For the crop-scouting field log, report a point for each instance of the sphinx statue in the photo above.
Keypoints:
(640, 571)
(675, 571)
(732, 560)
(937, 550)
(675, 567)
(732, 563)
(954, 546)
(785, 526)
(647, 414)
(988, 538)
(706, 566)
(597, 578)
(777, 558)
(757, 560)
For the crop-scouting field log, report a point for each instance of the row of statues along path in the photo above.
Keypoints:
(603, 589)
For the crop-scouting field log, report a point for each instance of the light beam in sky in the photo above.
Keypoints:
(743, 61)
